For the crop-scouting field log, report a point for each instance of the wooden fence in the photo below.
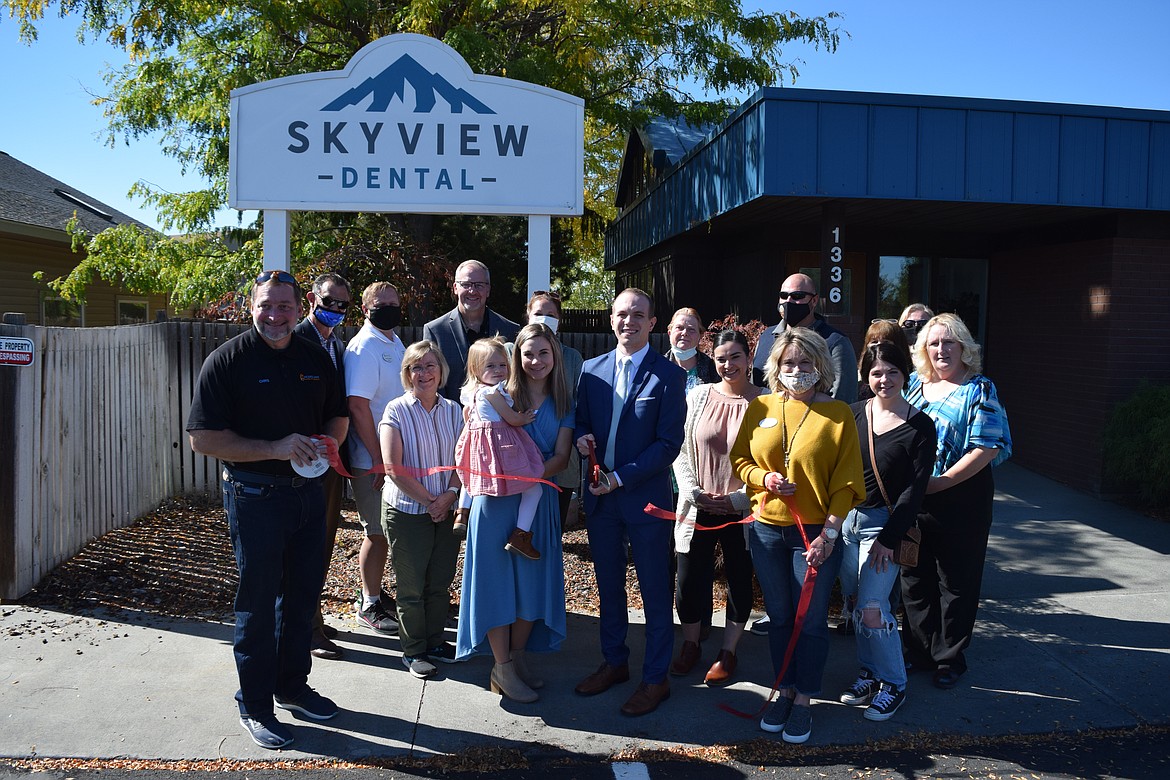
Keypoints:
(93, 433)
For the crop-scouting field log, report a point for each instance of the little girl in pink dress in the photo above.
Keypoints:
(494, 446)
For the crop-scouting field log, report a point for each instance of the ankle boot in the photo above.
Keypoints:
(520, 661)
(520, 542)
(505, 681)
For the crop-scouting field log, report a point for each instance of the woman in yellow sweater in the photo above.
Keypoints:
(798, 454)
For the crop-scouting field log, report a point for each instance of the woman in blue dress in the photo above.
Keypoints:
(512, 605)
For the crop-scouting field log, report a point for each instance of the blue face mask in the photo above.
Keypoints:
(330, 319)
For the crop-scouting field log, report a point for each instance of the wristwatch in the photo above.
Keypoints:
(830, 535)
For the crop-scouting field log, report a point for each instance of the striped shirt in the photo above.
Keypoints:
(428, 440)
(969, 416)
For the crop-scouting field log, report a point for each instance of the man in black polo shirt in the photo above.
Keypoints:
(260, 398)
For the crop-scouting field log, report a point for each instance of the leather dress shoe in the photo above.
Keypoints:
(945, 679)
(329, 631)
(647, 698)
(603, 679)
(324, 648)
(688, 656)
(722, 670)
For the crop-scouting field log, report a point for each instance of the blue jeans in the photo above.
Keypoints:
(879, 650)
(278, 535)
(778, 557)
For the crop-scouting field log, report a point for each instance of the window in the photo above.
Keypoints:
(58, 312)
(945, 284)
(132, 311)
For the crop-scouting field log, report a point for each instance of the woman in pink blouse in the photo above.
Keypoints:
(710, 497)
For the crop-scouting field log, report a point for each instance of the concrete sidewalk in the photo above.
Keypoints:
(1074, 633)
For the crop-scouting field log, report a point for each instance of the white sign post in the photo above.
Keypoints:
(407, 128)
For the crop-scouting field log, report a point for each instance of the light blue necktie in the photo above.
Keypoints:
(621, 386)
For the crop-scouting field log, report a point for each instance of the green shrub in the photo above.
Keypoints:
(1137, 446)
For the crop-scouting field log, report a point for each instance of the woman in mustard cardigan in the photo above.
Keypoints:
(798, 454)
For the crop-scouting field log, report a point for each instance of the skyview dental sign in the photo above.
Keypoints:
(406, 127)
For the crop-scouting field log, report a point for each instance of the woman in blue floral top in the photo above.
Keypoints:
(941, 593)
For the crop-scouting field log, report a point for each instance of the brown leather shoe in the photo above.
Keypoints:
(603, 679)
(323, 648)
(647, 698)
(520, 542)
(688, 656)
(723, 668)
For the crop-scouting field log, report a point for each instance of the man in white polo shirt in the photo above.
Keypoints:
(373, 365)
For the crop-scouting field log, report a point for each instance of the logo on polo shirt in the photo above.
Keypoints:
(310, 377)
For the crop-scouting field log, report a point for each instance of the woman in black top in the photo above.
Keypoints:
(903, 444)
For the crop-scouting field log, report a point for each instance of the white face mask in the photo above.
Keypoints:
(683, 354)
(545, 320)
(800, 382)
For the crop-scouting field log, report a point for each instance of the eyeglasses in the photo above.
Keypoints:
(420, 368)
(333, 303)
(547, 294)
(795, 295)
(473, 286)
(280, 277)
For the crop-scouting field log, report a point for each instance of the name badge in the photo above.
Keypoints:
(769, 422)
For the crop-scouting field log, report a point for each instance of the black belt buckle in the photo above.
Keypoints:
(262, 480)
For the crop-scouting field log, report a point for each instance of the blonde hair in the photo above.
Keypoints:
(687, 311)
(953, 326)
(416, 352)
(372, 291)
(558, 384)
(915, 308)
(812, 345)
(477, 358)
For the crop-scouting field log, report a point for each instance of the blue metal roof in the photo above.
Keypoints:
(856, 145)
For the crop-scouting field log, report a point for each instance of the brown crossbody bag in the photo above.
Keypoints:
(906, 553)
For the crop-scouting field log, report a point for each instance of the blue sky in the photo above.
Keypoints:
(1062, 51)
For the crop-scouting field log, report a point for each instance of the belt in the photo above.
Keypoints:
(264, 480)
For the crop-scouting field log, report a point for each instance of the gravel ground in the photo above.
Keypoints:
(177, 561)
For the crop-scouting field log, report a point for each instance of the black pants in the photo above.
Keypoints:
(696, 570)
(941, 593)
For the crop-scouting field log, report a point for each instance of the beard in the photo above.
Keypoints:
(274, 333)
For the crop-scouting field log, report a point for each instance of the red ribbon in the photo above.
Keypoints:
(594, 466)
(334, 458)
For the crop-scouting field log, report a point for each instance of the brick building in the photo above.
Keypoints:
(1046, 227)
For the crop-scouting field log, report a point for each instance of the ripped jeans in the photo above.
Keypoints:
(879, 650)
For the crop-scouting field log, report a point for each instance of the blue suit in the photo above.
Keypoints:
(649, 437)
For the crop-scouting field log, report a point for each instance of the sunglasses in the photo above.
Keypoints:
(546, 294)
(914, 325)
(280, 277)
(333, 303)
(795, 295)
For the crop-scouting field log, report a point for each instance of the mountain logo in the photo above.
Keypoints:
(391, 83)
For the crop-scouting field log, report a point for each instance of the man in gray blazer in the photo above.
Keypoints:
(470, 320)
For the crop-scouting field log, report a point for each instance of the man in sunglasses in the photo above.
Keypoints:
(329, 300)
(469, 321)
(260, 400)
(798, 302)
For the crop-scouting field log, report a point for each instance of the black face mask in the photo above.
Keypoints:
(793, 312)
(385, 317)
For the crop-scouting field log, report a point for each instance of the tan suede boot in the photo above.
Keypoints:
(507, 682)
(520, 660)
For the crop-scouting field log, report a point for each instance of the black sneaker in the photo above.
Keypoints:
(267, 732)
(444, 653)
(886, 702)
(863, 689)
(310, 704)
(761, 626)
(377, 619)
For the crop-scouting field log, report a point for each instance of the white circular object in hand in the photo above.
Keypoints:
(313, 468)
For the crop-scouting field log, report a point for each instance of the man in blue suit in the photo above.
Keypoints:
(630, 406)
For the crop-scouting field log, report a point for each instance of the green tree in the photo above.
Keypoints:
(628, 59)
